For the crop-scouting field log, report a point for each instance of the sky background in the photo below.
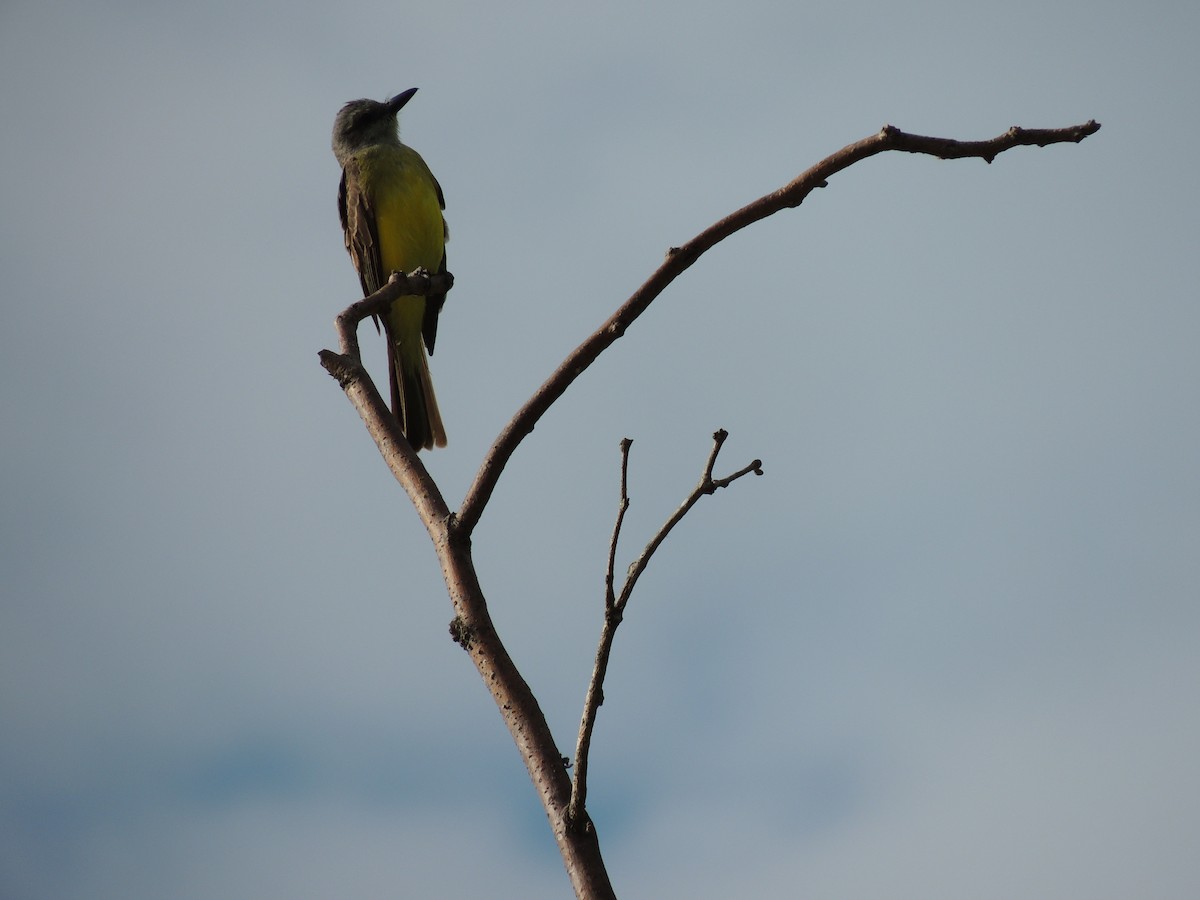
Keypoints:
(946, 647)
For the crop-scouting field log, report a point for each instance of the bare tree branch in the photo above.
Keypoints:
(614, 608)
(381, 423)
(609, 581)
(418, 282)
(705, 486)
(472, 628)
(394, 447)
(681, 258)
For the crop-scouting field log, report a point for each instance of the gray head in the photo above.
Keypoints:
(365, 123)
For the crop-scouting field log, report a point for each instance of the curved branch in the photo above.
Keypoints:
(679, 259)
(418, 282)
(382, 425)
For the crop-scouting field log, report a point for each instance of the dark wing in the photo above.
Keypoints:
(358, 226)
(434, 302)
(362, 242)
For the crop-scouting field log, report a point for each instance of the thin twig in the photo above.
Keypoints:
(614, 610)
(706, 485)
(681, 258)
(609, 596)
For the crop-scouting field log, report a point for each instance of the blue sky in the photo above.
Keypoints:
(945, 647)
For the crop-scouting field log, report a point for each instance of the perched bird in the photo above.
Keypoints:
(391, 210)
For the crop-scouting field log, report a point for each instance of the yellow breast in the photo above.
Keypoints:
(408, 218)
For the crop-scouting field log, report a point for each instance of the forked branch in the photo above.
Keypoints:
(614, 604)
(564, 798)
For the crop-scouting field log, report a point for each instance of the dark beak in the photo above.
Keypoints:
(397, 102)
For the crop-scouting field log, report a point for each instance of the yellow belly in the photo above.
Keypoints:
(408, 223)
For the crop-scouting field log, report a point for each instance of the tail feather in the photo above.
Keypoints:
(413, 399)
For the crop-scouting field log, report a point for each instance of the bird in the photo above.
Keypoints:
(391, 210)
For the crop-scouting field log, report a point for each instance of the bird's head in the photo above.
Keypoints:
(365, 123)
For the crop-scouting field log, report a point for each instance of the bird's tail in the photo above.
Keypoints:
(413, 400)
